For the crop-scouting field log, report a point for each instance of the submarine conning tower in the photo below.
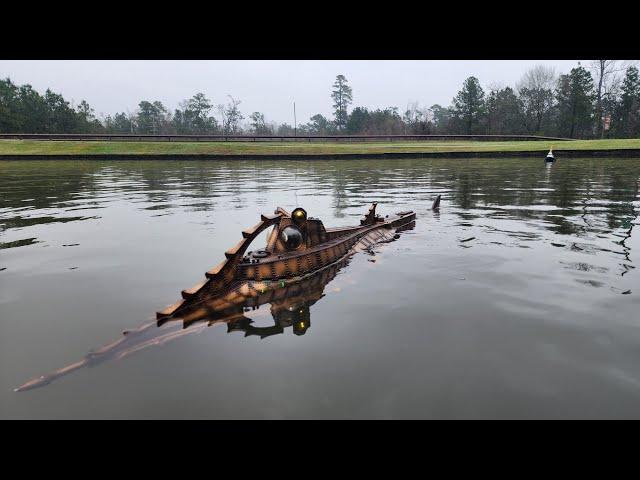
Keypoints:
(296, 231)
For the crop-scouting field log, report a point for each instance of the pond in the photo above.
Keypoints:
(519, 298)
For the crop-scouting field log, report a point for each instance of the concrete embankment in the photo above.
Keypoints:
(622, 152)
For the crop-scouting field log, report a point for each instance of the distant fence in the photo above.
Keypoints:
(262, 138)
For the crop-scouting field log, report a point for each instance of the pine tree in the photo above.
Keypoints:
(469, 106)
(575, 96)
(504, 112)
(342, 96)
(628, 115)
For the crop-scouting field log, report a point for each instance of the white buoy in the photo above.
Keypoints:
(550, 157)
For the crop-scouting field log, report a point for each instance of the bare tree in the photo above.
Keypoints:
(536, 93)
(231, 115)
(539, 76)
(416, 119)
(132, 117)
(495, 86)
(607, 78)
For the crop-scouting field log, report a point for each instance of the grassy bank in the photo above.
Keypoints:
(36, 147)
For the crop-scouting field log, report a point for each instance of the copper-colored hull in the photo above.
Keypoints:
(330, 246)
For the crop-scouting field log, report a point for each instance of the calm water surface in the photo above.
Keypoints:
(520, 298)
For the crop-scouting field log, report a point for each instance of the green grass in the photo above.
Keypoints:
(37, 147)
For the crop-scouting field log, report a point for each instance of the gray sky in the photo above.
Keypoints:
(268, 86)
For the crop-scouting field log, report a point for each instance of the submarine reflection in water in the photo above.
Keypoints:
(290, 302)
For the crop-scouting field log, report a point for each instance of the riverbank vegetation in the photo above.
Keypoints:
(599, 101)
(37, 147)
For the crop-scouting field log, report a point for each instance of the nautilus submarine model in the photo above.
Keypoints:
(297, 246)
(301, 257)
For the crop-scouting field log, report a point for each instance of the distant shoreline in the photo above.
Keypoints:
(623, 152)
(219, 150)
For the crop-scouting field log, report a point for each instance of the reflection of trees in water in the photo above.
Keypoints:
(339, 196)
(351, 183)
(32, 186)
(163, 184)
(570, 186)
(630, 222)
(583, 198)
(623, 191)
(462, 188)
(46, 184)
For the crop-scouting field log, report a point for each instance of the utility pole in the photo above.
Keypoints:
(295, 122)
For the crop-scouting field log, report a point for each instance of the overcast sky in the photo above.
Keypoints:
(268, 86)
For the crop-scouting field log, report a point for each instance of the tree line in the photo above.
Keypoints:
(24, 110)
(601, 101)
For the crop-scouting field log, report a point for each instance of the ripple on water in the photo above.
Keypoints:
(523, 270)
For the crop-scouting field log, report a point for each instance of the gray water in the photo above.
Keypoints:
(518, 299)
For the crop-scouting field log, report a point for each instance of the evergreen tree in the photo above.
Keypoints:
(319, 125)
(342, 97)
(194, 117)
(385, 122)
(152, 118)
(575, 96)
(504, 112)
(358, 122)
(9, 121)
(120, 123)
(537, 108)
(628, 111)
(441, 118)
(86, 120)
(469, 106)
(62, 118)
(32, 111)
